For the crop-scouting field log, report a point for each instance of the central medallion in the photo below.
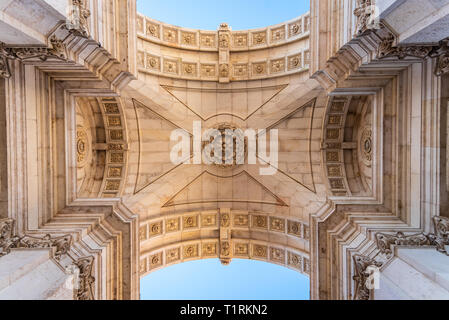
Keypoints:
(233, 146)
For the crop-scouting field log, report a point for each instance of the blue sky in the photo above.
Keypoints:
(208, 14)
(209, 280)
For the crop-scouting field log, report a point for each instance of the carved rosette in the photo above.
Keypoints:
(442, 54)
(61, 244)
(362, 276)
(236, 140)
(223, 41)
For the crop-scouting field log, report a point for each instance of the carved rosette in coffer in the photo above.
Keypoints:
(347, 146)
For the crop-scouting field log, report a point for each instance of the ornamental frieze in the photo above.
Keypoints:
(9, 240)
(56, 50)
(439, 239)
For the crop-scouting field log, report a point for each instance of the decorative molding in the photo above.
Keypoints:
(386, 241)
(439, 239)
(362, 276)
(61, 245)
(5, 72)
(56, 50)
(9, 240)
(388, 49)
(365, 14)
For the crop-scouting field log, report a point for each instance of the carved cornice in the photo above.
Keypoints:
(439, 239)
(61, 244)
(362, 276)
(441, 225)
(8, 241)
(388, 49)
(56, 50)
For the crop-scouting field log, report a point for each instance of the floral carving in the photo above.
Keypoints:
(440, 238)
(259, 38)
(362, 276)
(153, 30)
(208, 40)
(294, 28)
(294, 62)
(386, 241)
(188, 38)
(8, 241)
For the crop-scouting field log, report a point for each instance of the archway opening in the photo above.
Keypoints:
(208, 279)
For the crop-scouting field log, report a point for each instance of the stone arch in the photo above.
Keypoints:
(101, 147)
(224, 234)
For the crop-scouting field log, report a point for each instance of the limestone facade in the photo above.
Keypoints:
(91, 92)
